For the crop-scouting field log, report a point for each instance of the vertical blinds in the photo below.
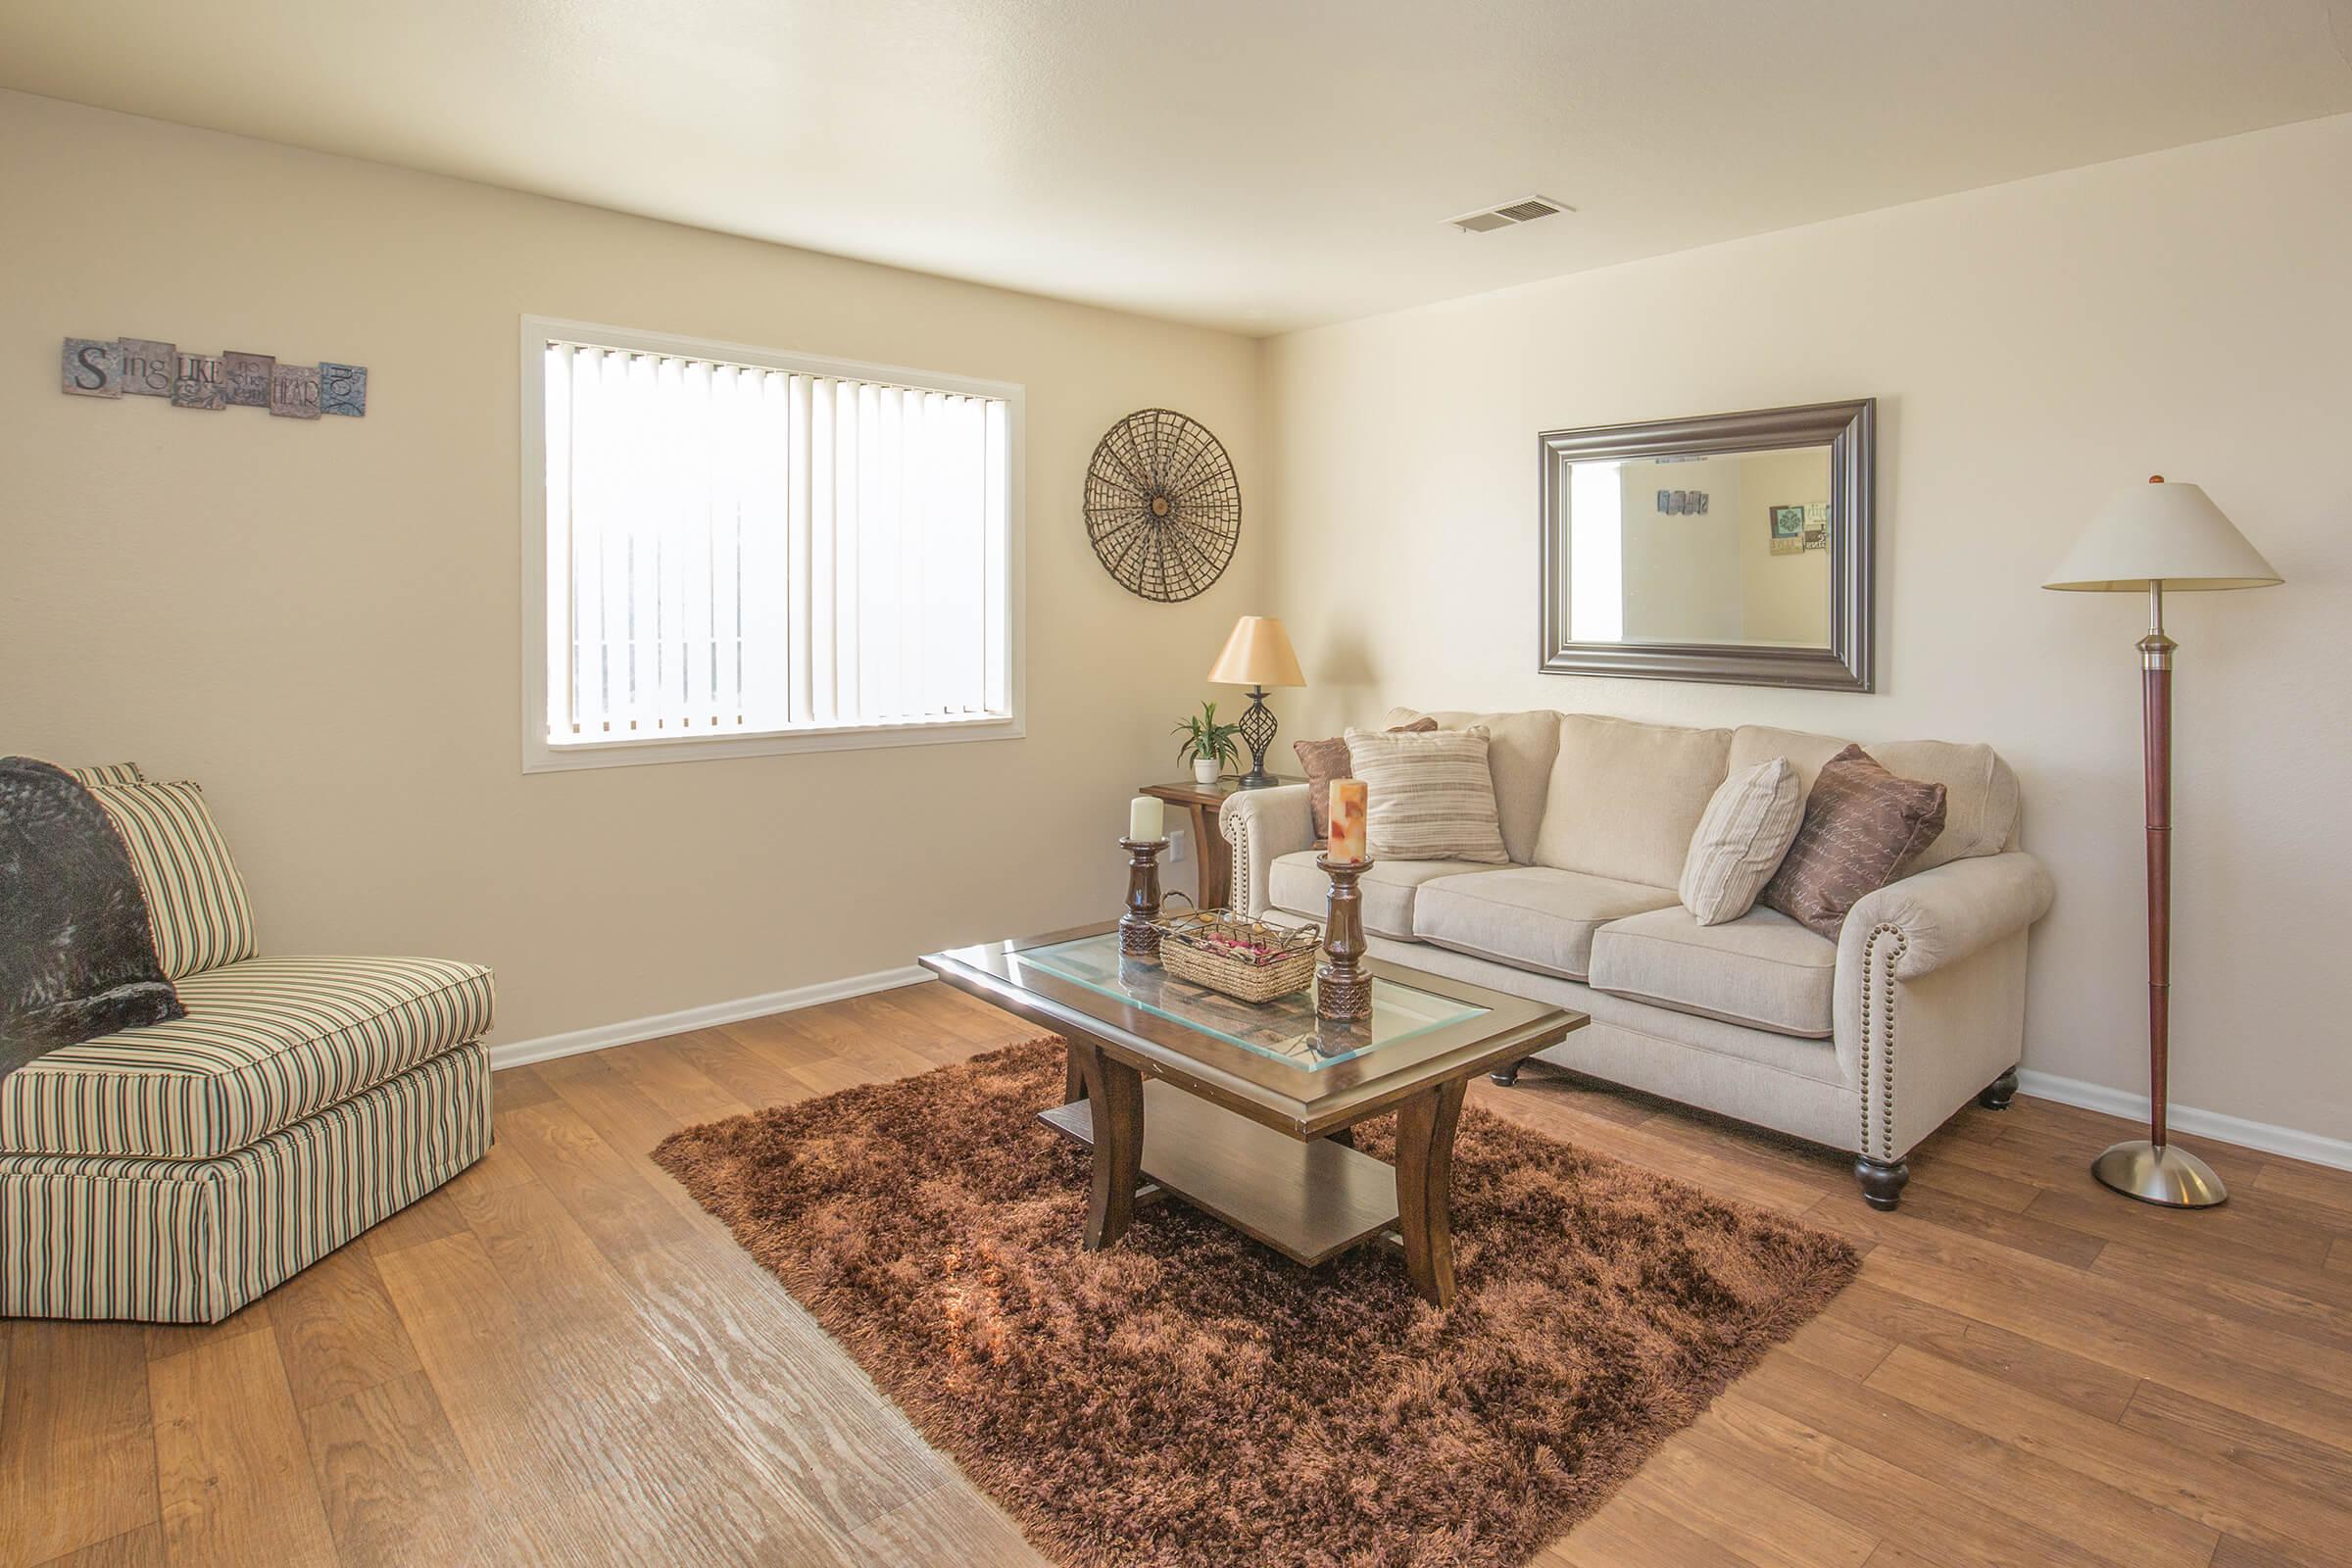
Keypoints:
(733, 549)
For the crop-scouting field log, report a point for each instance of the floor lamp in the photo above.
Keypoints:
(2149, 538)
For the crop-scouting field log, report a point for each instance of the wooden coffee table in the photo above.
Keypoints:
(1247, 1110)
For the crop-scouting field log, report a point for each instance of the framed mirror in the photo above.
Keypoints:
(1732, 546)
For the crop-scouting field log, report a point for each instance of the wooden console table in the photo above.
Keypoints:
(1209, 849)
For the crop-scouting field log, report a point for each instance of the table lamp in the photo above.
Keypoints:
(2149, 538)
(1257, 656)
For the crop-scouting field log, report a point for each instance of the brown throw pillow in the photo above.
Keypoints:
(1861, 824)
(1325, 760)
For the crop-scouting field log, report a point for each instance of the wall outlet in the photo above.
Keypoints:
(1180, 848)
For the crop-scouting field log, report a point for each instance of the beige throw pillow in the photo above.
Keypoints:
(1749, 825)
(1430, 796)
(1521, 749)
(1325, 760)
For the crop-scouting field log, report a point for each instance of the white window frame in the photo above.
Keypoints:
(541, 756)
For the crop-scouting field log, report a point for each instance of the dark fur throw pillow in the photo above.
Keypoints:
(76, 955)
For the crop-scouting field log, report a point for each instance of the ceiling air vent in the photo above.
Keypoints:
(1526, 210)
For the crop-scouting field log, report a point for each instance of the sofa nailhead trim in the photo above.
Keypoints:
(1237, 833)
(1874, 974)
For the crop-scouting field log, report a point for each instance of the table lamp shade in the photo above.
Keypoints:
(2159, 535)
(1258, 654)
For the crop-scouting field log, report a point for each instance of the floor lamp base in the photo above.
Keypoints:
(2168, 1176)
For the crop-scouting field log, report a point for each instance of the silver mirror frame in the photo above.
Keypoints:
(1846, 665)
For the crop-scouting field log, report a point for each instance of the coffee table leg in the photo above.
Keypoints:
(1116, 1092)
(1073, 1080)
(1425, 1128)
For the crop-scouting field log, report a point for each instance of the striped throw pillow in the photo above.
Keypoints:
(1749, 825)
(107, 773)
(1429, 797)
(195, 896)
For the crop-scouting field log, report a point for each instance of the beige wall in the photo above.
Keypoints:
(2032, 347)
(320, 621)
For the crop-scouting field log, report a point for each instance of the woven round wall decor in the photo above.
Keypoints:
(1163, 509)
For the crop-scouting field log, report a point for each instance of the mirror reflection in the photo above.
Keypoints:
(1729, 548)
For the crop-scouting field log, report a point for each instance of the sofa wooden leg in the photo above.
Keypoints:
(1997, 1094)
(1507, 1074)
(1881, 1183)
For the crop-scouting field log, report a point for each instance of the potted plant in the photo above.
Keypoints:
(1209, 744)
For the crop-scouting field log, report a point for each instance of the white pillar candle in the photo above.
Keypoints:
(1144, 819)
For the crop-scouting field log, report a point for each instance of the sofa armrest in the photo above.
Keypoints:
(1930, 1005)
(1262, 826)
(1942, 915)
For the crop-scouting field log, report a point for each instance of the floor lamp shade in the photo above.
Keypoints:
(1257, 655)
(2149, 538)
(2161, 536)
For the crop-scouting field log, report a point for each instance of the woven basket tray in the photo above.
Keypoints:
(1241, 959)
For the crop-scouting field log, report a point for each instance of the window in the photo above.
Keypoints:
(729, 552)
(1597, 551)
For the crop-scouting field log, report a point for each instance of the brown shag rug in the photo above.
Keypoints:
(1189, 1397)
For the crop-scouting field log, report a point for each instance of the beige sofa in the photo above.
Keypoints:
(1869, 1042)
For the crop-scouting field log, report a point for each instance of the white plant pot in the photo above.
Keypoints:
(1204, 770)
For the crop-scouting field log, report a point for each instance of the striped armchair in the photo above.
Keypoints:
(171, 1174)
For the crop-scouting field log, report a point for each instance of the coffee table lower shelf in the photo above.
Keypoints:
(1309, 1200)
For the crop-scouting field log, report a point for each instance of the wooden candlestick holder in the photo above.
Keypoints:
(1343, 987)
(1138, 936)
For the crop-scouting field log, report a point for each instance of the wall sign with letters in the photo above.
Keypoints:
(138, 367)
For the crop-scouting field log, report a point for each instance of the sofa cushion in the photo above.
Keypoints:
(1295, 886)
(1520, 751)
(1762, 969)
(195, 898)
(265, 1042)
(1531, 917)
(1982, 805)
(1625, 797)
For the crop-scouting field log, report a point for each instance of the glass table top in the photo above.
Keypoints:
(1285, 1029)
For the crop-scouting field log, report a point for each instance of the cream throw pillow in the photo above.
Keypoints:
(1429, 797)
(1747, 827)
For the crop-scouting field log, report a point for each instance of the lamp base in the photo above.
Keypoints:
(2160, 1174)
(1257, 733)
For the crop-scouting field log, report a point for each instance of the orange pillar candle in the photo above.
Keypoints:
(1347, 809)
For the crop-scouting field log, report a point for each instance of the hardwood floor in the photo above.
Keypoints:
(558, 1357)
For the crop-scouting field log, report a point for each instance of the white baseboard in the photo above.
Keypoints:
(519, 1053)
(2270, 1139)
(2263, 1135)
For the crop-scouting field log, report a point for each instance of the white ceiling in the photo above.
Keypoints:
(1257, 164)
